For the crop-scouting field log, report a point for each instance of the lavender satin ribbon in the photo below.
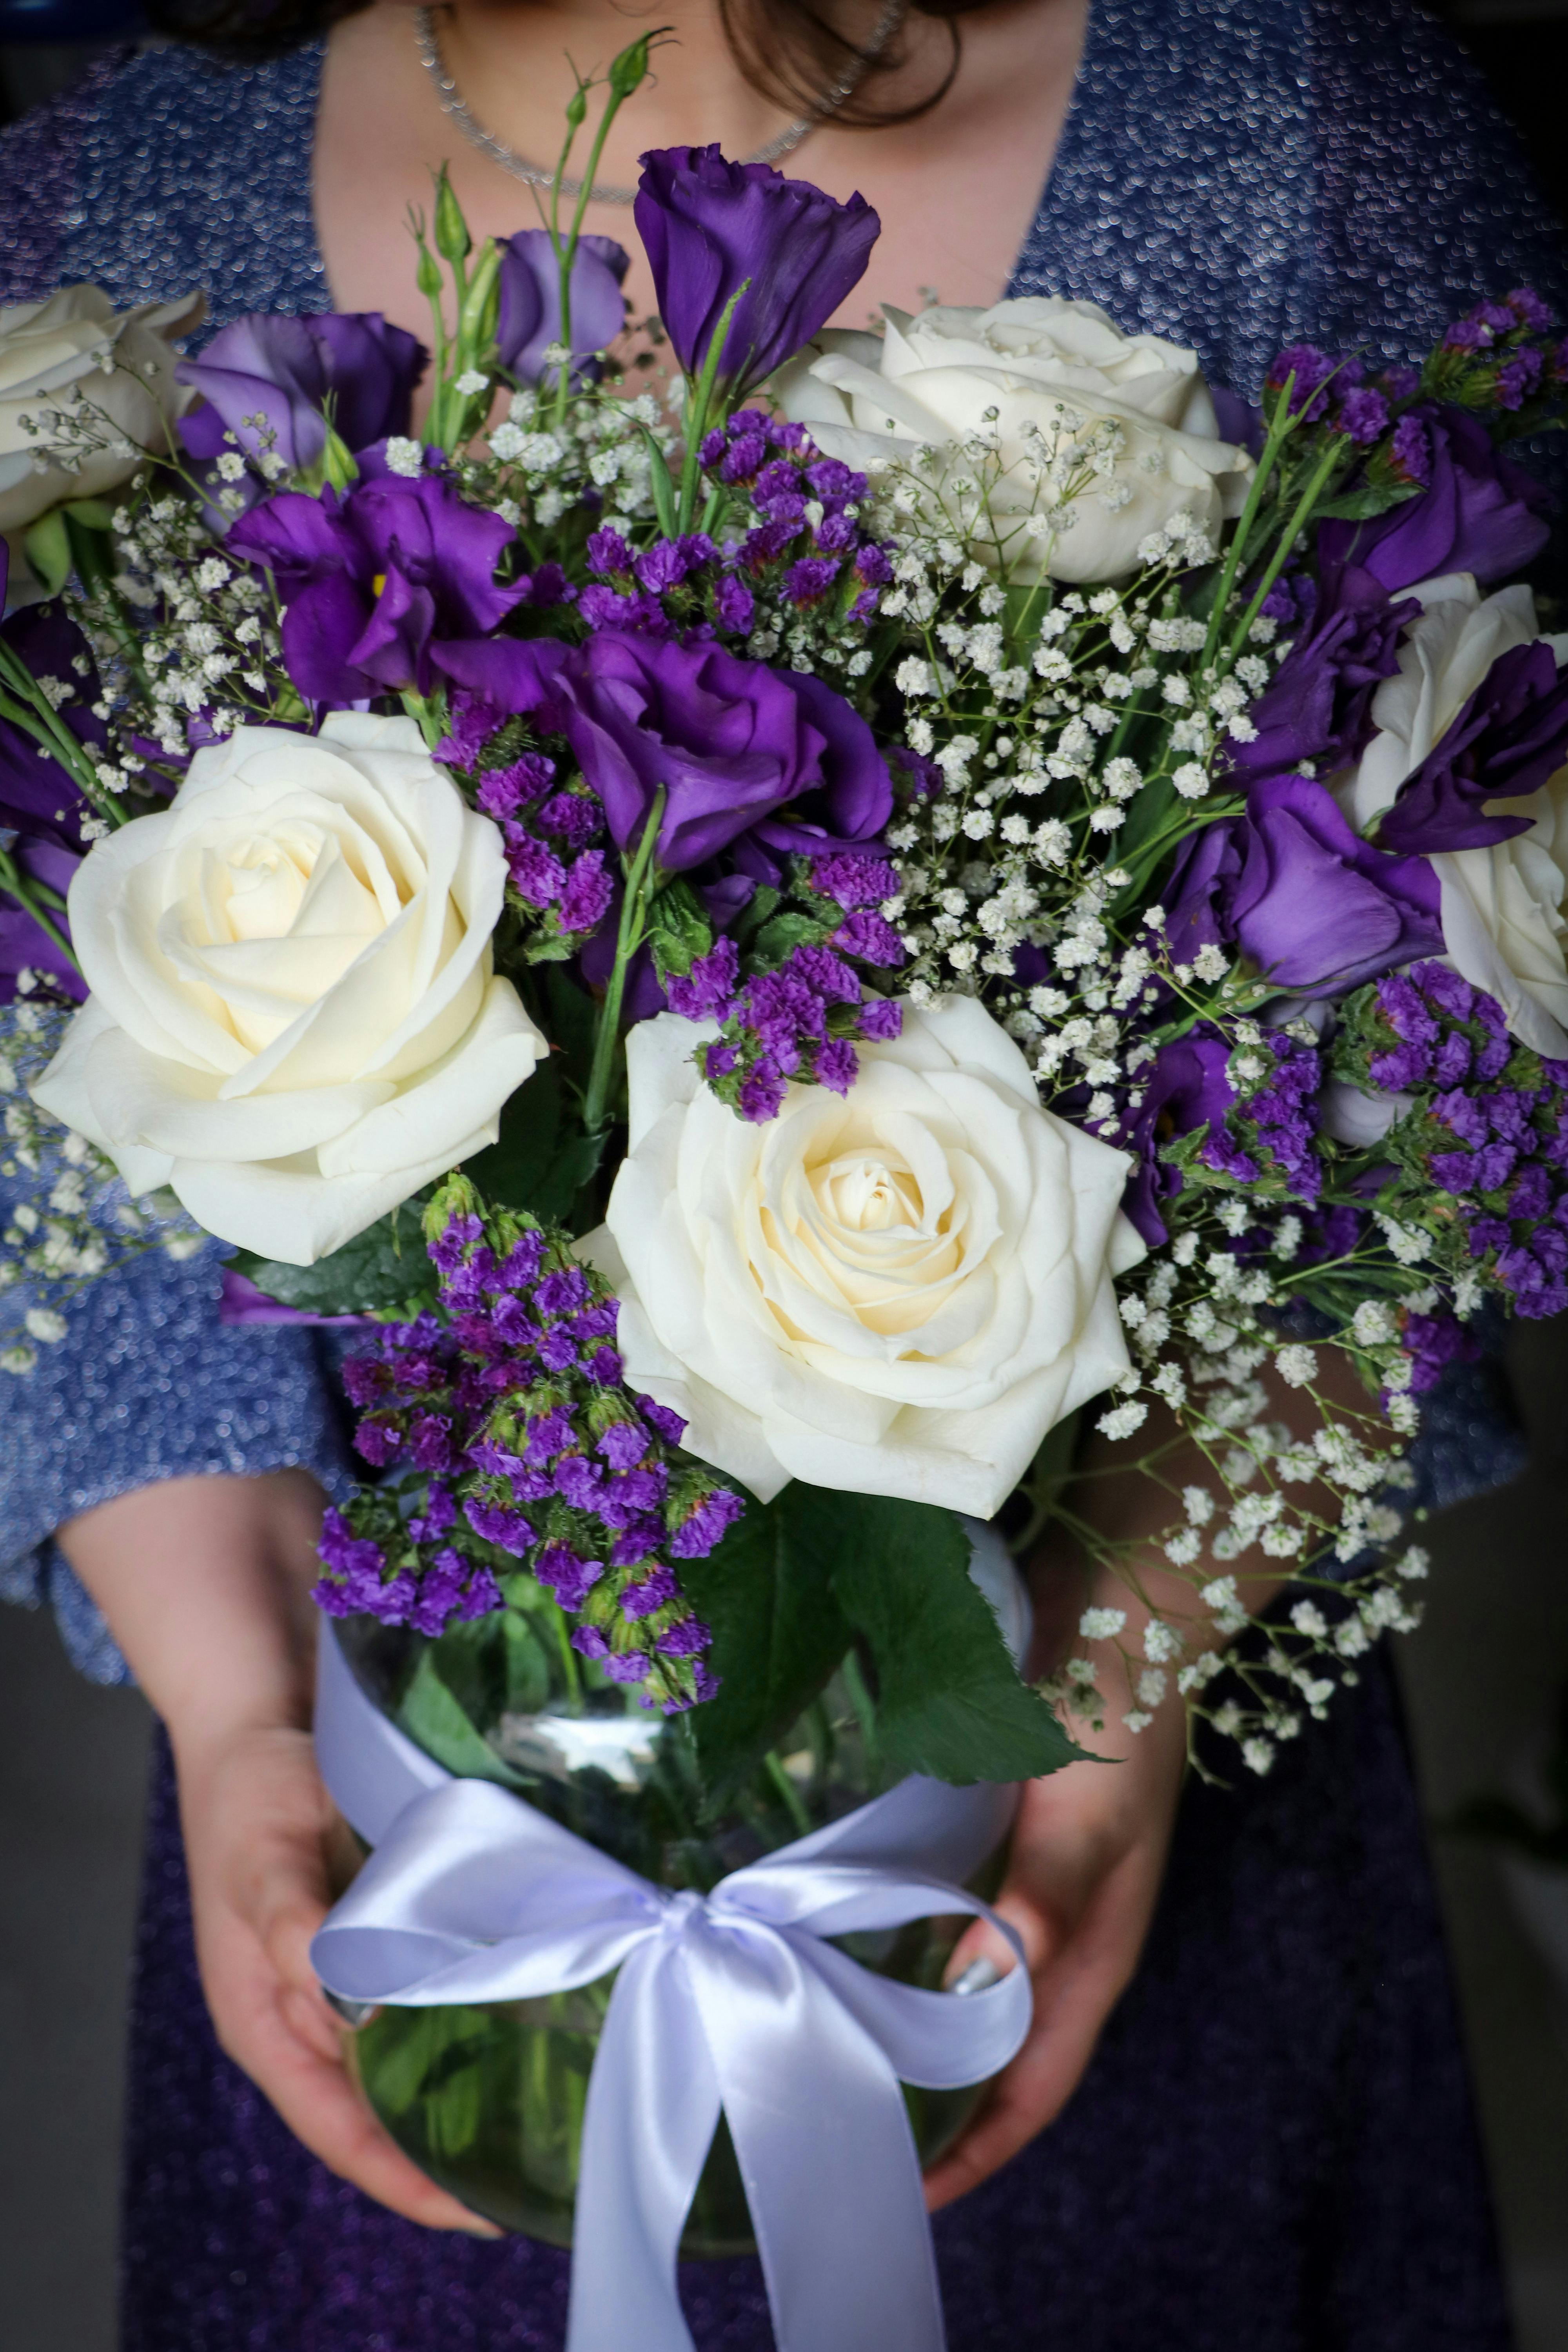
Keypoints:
(726, 2000)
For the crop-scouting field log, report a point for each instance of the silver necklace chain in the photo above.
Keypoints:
(454, 104)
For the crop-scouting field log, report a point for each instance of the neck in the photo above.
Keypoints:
(512, 64)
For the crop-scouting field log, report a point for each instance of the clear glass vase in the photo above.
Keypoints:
(488, 2101)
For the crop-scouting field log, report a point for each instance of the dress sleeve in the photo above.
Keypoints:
(40, 159)
(147, 1383)
(1424, 199)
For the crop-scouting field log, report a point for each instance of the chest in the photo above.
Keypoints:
(956, 191)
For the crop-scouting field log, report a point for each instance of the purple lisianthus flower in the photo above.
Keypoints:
(754, 760)
(708, 226)
(1295, 888)
(1318, 704)
(288, 370)
(529, 319)
(1478, 512)
(378, 582)
(1510, 737)
(1187, 1087)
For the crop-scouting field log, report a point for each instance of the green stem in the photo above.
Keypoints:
(429, 713)
(701, 403)
(567, 248)
(788, 1793)
(15, 887)
(629, 939)
(1298, 520)
(1280, 425)
(569, 1665)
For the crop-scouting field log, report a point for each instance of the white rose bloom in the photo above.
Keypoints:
(45, 350)
(1045, 365)
(1505, 921)
(294, 1020)
(895, 1293)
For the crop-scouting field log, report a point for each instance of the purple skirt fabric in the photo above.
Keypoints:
(1273, 2150)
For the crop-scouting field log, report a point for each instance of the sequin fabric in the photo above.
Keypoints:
(1272, 2150)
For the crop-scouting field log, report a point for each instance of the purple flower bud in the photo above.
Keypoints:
(607, 551)
(707, 226)
(662, 1418)
(628, 1666)
(838, 1065)
(685, 1640)
(704, 1528)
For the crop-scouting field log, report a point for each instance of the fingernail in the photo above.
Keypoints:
(355, 2013)
(976, 1978)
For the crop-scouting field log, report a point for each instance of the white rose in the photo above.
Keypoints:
(895, 1293)
(1502, 909)
(124, 363)
(294, 1020)
(1037, 366)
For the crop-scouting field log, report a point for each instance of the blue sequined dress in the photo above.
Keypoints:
(1273, 2150)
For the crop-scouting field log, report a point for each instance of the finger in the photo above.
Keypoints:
(982, 1941)
(324, 2110)
(1074, 1996)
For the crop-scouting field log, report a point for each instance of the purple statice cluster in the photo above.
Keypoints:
(1496, 348)
(803, 1018)
(556, 855)
(1333, 388)
(1483, 1147)
(504, 1416)
(1273, 1129)
(805, 551)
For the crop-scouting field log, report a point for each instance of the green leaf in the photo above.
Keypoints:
(513, 1171)
(568, 1023)
(48, 549)
(434, 1719)
(384, 1266)
(780, 937)
(950, 1701)
(678, 931)
(1371, 498)
(778, 1634)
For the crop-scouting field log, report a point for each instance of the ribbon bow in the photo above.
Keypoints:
(731, 2000)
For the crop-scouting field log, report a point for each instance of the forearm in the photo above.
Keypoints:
(205, 1585)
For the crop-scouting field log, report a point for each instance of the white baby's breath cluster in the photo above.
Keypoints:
(1020, 701)
(66, 1217)
(540, 465)
(210, 647)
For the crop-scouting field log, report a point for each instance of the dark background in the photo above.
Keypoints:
(1480, 1679)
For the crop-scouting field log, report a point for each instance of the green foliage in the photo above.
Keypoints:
(382, 1268)
(678, 931)
(48, 547)
(791, 1586)
(433, 1716)
(778, 1634)
(950, 1701)
(1367, 501)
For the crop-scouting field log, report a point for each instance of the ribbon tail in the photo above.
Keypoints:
(828, 2159)
(652, 2108)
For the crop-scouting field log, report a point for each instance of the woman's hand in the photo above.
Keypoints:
(1088, 1856)
(206, 1582)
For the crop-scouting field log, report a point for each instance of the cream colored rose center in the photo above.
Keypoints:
(869, 1232)
(275, 919)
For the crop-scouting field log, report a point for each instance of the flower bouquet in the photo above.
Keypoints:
(779, 954)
